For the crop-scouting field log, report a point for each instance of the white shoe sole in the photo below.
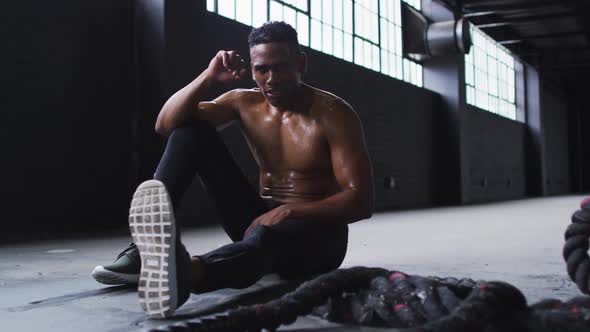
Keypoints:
(107, 277)
(152, 226)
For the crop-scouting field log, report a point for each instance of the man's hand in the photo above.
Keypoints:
(227, 67)
(270, 218)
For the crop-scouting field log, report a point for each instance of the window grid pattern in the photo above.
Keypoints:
(365, 32)
(490, 76)
(295, 13)
(332, 28)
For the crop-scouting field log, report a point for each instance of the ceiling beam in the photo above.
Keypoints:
(544, 36)
(526, 19)
(479, 14)
(567, 66)
(510, 42)
(482, 6)
(493, 25)
(559, 50)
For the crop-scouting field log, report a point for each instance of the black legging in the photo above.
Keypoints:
(292, 248)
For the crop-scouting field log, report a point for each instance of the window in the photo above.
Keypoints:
(365, 32)
(392, 61)
(295, 13)
(414, 3)
(490, 76)
(332, 28)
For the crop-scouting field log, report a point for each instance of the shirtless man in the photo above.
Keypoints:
(315, 178)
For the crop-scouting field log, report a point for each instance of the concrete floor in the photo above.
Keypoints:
(46, 286)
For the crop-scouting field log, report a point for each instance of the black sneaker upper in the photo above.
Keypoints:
(127, 262)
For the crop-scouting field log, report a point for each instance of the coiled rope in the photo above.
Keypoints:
(379, 297)
(575, 251)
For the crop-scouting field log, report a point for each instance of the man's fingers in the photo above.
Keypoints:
(243, 72)
(236, 62)
(240, 70)
(225, 60)
(234, 58)
(231, 60)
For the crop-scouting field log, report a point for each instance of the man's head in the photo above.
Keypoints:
(277, 61)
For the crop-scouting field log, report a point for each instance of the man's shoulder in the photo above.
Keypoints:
(328, 105)
(245, 93)
(335, 116)
(244, 99)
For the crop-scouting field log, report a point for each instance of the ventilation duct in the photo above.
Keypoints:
(423, 39)
(449, 37)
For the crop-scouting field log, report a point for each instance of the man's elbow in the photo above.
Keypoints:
(365, 210)
(365, 196)
(366, 214)
(161, 127)
(360, 215)
(369, 204)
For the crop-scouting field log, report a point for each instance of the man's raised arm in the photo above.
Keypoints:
(186, 105)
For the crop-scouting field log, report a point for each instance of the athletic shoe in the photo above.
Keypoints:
(123, 271)
(164, 283)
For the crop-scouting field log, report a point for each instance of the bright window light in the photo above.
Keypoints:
(414, 3)
(365, 32)
(244, 12)
(490, 76)
(211, 5)
(227, 8)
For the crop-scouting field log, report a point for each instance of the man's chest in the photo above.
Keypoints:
(287, 143)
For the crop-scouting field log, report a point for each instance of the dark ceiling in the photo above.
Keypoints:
(553, 36)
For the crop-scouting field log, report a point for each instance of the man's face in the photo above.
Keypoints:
(276, 69)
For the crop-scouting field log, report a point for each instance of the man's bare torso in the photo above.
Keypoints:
(290, 146)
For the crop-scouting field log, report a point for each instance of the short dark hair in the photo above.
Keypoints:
(274, 32)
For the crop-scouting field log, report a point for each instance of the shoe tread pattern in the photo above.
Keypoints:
(152, 227)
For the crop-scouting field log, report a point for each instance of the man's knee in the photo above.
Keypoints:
(265, 238)
(193, 130)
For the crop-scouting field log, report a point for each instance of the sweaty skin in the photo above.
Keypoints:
(308, 143)
(290, 146)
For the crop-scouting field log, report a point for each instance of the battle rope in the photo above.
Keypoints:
(378, 297)
(575, 251)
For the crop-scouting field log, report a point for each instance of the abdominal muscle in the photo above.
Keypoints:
(295, 187)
